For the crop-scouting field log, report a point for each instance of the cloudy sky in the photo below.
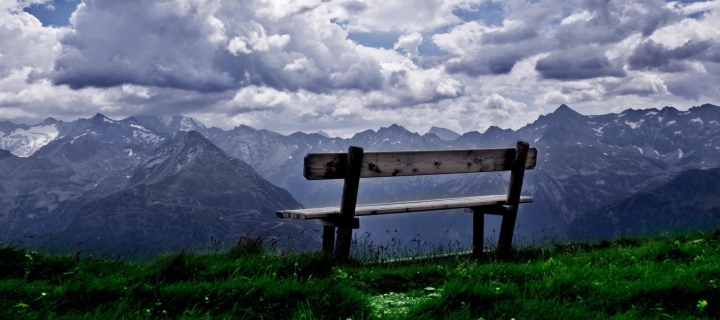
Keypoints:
(346, 66)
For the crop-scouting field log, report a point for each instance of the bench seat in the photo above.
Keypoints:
(398, 207)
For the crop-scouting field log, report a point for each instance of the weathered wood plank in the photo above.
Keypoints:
(320, 166)
(398, 207)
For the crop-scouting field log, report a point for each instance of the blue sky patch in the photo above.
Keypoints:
(387, 40)
(57, 13)
(490, 13)
(384, 40)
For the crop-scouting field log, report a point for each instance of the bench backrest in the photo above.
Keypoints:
(320, 166)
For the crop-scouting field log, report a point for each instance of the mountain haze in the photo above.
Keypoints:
(184, 194)
(444, 134)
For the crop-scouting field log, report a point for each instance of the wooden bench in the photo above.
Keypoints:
(358, 164)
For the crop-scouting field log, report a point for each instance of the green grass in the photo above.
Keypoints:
(670, 277)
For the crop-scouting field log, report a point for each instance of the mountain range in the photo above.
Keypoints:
(584, 163)
(117, 187)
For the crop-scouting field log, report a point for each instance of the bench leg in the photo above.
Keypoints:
(348, 203)
(478, 233)
(517, 175)
(344, 239)
(328, 239)
(506, 233)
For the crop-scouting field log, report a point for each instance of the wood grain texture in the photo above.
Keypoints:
(398, 207)
(319, 166)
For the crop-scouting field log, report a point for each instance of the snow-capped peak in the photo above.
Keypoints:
(24, 142)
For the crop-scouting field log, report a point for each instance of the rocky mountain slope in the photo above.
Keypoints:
(113, 195)
(185, 195)
(689, 202)
(80, 156)
(23, 140)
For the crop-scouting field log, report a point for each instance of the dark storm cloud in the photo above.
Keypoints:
(578, 64)
(713, 53)
(557, 28)
(484, 64)
(507, 49)
(639, 86)
(613, 21)
(208, 47)
(634, 90)
(355, 6)
(429, 62)
(654, 56)
(510, 36)
(130, 42)
(397, 79)
(75, 71)
(170, 101)
(694, 86)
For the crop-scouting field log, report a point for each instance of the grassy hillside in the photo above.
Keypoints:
(666, 277)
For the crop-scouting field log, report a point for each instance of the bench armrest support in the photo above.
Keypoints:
(349, 201)
(517, 174)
